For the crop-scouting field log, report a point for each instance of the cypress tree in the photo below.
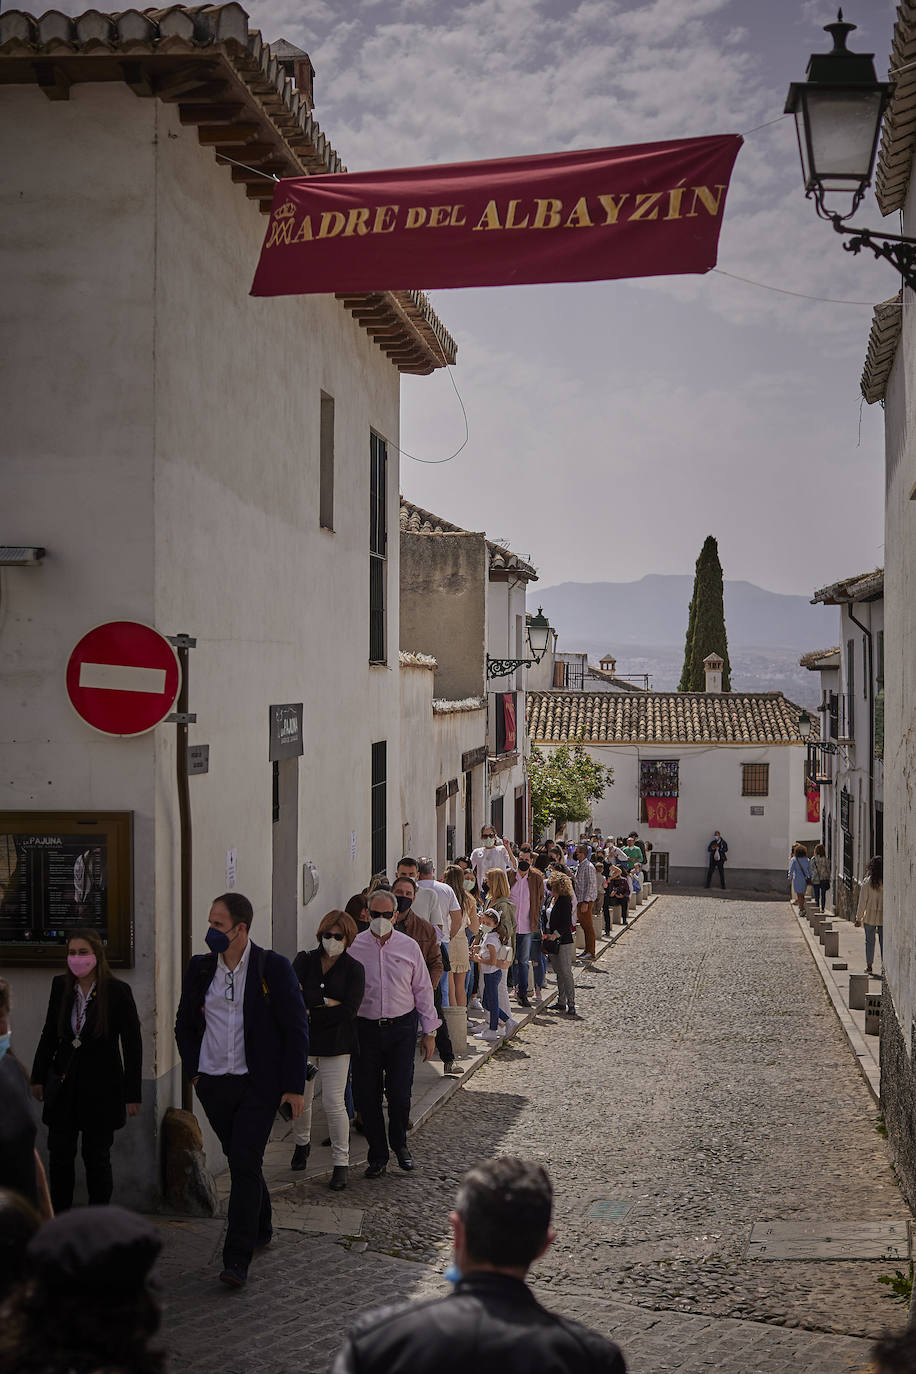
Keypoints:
(706, 622)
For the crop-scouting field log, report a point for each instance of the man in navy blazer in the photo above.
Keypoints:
(242, 1033)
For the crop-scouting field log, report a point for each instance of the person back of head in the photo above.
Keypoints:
(876, 871)
(497, 884)
(426, 868)
(18, 1223)
(503, 1209)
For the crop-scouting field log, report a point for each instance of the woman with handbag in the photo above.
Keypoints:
(87, 1069)
(558, 942)
(799, 876)
(820, 876)
(870, 909)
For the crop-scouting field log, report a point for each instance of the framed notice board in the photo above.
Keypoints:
(62, 871)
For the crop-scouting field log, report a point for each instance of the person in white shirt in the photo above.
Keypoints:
(489, 854)
(449, 910)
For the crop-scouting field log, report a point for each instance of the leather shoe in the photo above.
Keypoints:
(405, 1159)
(300, 1157)
(339, 1178)
(376, 1170)
(234, 1276)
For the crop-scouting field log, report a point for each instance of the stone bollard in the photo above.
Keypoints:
(873, 1013)
(839, 968)
(647, 889)
(825, 929)
(640, 897)
(632, 903)
(456, 1021)
(858, 987)
(831, 944)
(189, 1187)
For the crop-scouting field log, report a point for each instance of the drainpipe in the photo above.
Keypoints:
(871, 729)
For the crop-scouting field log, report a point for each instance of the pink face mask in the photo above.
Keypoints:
(80, 965)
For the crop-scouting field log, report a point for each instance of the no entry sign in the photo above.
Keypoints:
(123, 678)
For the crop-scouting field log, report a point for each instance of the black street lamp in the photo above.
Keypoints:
(804, 723)
(538, 639)
(838, 110)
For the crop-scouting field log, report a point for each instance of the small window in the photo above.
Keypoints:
(379, 806)
(326, 474)
(755, 779)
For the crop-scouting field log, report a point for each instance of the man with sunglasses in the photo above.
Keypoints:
(491, 853)
(242, 1033)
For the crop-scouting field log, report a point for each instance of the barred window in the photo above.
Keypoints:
(755, 779)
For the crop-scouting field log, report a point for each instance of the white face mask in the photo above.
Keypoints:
(381, 926)
(489, 841)
(333, 945)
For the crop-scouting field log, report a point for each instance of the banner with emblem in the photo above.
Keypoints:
(650, 209)
(661, 813)
(813, 796)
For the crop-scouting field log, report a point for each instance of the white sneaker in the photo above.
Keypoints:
(490, 1036)
(510, 1026)
(475, 1004)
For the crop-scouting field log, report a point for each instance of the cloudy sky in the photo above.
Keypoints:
(614, 425)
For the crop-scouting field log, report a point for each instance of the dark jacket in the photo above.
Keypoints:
(17, 1130)
(492, 1323)
(276, 1026)
(332, 1030)
(560, 921)
(722, 848)
(100, 1076)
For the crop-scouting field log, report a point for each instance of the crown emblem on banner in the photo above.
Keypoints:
(286, 211)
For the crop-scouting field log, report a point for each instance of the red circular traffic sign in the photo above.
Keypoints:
(123, 678)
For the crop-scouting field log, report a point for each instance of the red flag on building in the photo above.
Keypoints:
(652, 209)
(511, 734)
(661, 813)
(813, 795)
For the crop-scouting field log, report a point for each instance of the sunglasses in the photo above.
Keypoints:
(230, 987)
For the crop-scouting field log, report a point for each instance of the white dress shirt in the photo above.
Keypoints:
(78, 1014)
(223, 1047)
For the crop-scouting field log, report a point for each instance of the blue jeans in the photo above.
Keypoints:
(491, 998)
(820, 895)
(522, 959)
(539, 959)
(870, 943)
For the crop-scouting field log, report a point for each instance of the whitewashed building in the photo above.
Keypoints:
(889, 377)
(463, 603)
(850, 769)
(199, 461)
(696, 762)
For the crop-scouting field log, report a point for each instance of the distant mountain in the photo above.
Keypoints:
(654, 611)
(643, 624)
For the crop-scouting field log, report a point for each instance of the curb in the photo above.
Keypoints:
(451, 1085)
(860, 1051)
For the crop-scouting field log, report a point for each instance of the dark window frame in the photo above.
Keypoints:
(751, 772)
(378, 806)
(326, 463)
(378, 548)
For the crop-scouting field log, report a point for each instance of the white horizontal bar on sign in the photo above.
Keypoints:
(118, 677)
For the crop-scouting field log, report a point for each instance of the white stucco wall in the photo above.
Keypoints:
(710, 799)
(900, 671)
(161, 439)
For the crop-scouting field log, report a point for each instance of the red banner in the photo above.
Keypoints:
(652, 209)
(661, 813)
(510, 738)
(814, 804)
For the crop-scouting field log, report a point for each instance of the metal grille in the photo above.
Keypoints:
(377, 570)
(379, 806)
(468, 814)
(755, 779)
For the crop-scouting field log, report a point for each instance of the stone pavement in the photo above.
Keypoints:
(709, 1088)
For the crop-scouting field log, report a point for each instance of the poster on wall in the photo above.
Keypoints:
(60, 872)
(661, 813)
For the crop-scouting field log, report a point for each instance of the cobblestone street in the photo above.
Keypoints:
(708, 1089)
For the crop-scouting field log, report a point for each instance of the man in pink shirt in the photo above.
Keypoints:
(526, 888)
(398, 992)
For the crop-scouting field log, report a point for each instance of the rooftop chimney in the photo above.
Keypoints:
(608, 664)
(298, 67)
(713, 665)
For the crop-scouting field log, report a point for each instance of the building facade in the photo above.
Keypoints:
(198, 461)
(689, 763)
(889, 377)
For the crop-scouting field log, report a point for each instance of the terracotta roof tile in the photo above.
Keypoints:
(416, 520)
(662, 717)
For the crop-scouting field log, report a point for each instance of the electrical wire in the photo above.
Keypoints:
(783, 291)
(435, 462)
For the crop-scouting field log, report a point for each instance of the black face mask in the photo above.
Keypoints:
(523, 865)
(404, 904)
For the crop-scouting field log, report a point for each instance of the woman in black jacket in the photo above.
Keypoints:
(558, 941)
(87, 1069)
(332, 984)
